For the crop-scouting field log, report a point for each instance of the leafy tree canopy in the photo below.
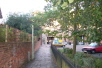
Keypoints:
(23, 22)
(80, 17)
(84, 15)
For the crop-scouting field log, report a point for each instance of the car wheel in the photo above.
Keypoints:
(93, 51)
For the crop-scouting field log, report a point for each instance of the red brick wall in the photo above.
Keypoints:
(15, 35)
(15, 55)
(37, 44)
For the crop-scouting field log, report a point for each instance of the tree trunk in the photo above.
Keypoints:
(74, 42)
(75, 29)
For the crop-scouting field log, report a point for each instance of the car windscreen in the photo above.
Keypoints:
(93, 44)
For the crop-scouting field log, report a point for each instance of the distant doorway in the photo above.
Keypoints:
(49, 39)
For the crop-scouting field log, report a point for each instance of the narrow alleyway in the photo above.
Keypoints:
(43, 58)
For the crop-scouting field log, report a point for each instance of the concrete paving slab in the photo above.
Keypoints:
(43, 58)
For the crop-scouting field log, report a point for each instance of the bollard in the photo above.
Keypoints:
(28, 55)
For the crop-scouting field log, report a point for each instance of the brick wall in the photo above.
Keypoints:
(13, 34)
(15, 55)
(16, 35)
(37, 45)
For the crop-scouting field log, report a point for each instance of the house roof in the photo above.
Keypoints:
(0, 14)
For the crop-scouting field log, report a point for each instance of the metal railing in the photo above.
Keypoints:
(61, 60)
(80, 60)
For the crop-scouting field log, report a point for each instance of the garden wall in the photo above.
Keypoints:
(15, 50)
(10, 34)
(15, 55)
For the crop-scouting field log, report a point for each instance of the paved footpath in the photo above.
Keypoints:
(43, 58)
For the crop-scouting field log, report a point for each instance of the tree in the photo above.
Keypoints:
(64, 17)
(23, 22)
(92, 19)
(77, 14)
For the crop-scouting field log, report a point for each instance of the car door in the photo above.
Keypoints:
(99, 48)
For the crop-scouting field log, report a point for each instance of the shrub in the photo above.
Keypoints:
(24, 37)
(98, 63)
(61, 50)
(2, 34)
(68, 50)
(82, 60)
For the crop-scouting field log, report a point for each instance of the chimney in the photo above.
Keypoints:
(0, 14)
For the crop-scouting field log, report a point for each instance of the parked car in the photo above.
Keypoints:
(92, 48)
(59, 43)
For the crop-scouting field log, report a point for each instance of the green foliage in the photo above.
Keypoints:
(2, 34)
(23, 22)
(92, 20)
(84, 60)
(61, 50)
(78, 17)
(98, 63)
(68, 50)
(10, 35)
(20, 22)
(37, 29)
(77, 12)
(81, 59)
(24, 37)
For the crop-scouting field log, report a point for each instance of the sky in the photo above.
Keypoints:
(22, 6)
